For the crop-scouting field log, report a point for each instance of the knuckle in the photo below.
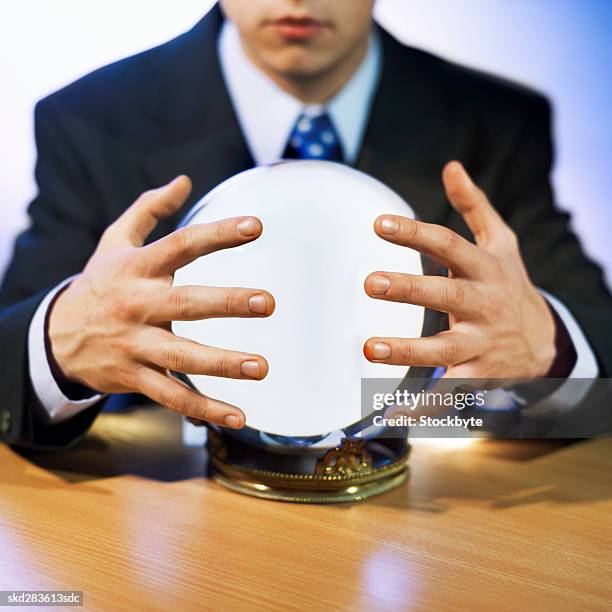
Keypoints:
(176, 301)
(410, 289)
(139, 378)
(204, 409)
(175, 360)
(126, 378)
(145, 197)
(448, 240)
(124, 307)
(181, 240)
(406, 352)
(496, 306)
(450, 352)
(223, 367)
(454, 294)
(228, 303)
(181, 302)
(412, 231)
(174, 401)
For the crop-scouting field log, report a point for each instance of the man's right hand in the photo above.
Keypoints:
(111, 329)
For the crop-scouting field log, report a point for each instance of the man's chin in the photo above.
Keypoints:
(299, 64)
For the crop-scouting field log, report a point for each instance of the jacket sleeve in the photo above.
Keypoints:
(65, 225)
(553, 255)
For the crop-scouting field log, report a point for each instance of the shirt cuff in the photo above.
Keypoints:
(586, 364)
(57, 407)
(569, 395)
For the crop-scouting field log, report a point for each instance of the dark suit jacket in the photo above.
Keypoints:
(139, 122)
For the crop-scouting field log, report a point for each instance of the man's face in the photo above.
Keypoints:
(300, 39)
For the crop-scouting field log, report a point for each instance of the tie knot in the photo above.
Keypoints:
(314, 138)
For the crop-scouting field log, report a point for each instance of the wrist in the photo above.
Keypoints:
(565, 351)
(60, 340)
(542, 338)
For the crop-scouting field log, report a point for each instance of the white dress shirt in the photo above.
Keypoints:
(267, 115)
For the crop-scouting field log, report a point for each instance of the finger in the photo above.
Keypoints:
(471, 203)
(188, 243)
(443, 349)
(170, 352)
(175, 395)
(192, 303)
(441, 243)
(141, 218)
(444, 294)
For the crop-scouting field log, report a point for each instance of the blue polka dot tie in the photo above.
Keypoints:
(314, 138)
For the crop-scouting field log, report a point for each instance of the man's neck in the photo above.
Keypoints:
(319, 88)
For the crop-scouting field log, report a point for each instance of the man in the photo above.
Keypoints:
(87, 303)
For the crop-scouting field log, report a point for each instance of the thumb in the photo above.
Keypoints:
(141, 218)
(471, 203)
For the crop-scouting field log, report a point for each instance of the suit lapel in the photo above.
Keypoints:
(407, 139)
(198, 131)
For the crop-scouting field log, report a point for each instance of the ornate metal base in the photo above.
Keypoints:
(354, 471)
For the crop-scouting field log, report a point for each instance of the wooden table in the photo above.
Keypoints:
(128, 518)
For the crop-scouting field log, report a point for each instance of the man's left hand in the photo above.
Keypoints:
(500, 326)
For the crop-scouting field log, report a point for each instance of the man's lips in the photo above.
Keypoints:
(298, 28)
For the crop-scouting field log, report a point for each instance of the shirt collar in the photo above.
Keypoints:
(267, 113)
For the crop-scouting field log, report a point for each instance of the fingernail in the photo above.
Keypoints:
(389, 225)
(258, 304)
(380, 285)
(250, 368)
(248, 227)
(381, 351)
(231, 420)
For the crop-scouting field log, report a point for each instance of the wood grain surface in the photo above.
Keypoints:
(129, 518)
